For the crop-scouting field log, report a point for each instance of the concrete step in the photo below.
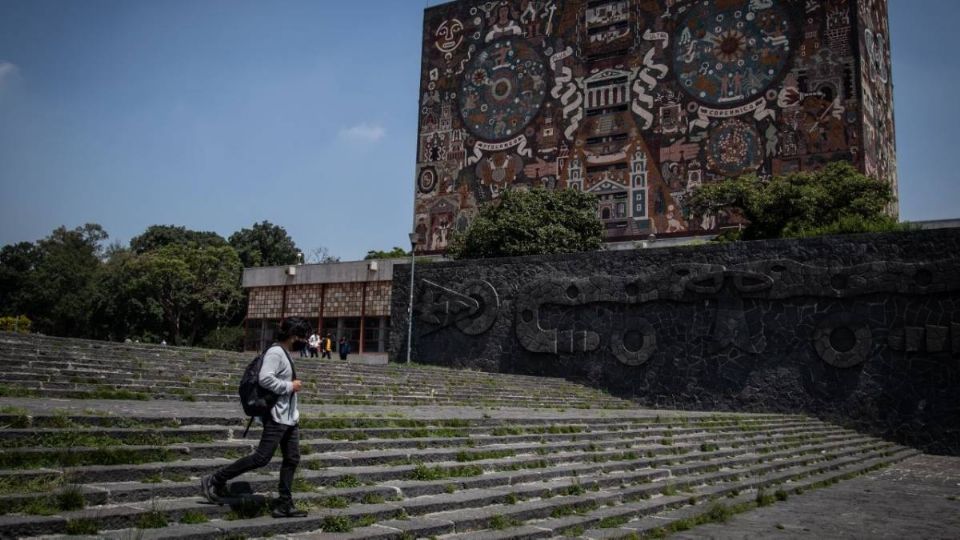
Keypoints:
(477, 508)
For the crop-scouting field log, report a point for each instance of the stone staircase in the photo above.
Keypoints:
(80, 369)
(81, 466)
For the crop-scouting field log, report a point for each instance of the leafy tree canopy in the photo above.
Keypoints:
(59, 289)
(177, 292)
(395, 253)
(16, 263)
(534, 222)
(265, 244)
(158, 236)
(835, 199)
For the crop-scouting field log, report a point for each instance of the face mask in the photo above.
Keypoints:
(298, 346)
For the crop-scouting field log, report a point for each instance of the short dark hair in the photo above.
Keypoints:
(294, 326)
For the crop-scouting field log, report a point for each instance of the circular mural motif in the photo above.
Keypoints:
(427, 180)
(842, 340)
(733, 148)
(635, 346)
(502, 90)
(729, 52)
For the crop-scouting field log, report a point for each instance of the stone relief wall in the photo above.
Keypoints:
(641, 101)
(864, 328)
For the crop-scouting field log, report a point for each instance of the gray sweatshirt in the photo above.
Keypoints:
(276, 375)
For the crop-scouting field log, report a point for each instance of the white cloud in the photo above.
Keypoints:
(8, 71)
(363, 132)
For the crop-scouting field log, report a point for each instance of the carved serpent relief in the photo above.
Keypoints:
(841, 340)
(473, 310)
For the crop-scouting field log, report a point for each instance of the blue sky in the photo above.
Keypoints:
(215, 114)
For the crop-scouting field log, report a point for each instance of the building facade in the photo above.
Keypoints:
(640, 101)
(349, 299)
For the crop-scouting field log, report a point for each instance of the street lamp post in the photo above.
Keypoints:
(413, 265)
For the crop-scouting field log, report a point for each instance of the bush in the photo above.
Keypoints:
(534, 222)
(834, 200)
(857, 224)
(19, 323)
(228, 339)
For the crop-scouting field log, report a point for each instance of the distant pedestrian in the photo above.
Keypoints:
(326, 347)
(344, 348)
(280, 426)
(313, 343)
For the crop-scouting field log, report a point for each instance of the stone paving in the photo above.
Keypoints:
(916, 498)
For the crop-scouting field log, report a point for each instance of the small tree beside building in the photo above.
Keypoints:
(534, 222)
(834, 200)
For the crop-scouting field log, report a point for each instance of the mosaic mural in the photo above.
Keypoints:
(640, 101)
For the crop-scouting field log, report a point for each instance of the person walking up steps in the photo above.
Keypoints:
(280, 427)
(313, 344)
(326, 347)
(344, 348)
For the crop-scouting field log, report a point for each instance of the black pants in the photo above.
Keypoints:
(313, 352)
(274, 434)
(325, 354)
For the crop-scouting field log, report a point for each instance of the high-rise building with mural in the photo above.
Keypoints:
(640, 101)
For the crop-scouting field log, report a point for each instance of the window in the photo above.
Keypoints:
(371, 335)
(330, 327)
(351, 331)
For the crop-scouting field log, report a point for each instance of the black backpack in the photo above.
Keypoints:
(255, 399)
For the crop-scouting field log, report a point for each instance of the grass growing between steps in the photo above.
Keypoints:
(193, 517)
(334, 502)
(69, 458)
(488, 454)
(343, 524)
(612, 522)
(38, 484)
(372, 498)
(111, 393)
(718, 513)
(97, 419)
(67, 499)
(16, 391)
(82, 526)
(154, 519)
(76, 439)
(348, 481)
(422, 472)
(499, 522)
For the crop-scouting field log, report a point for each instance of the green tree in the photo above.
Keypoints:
(158, 236)
(533, 222)
(395, 253)
(59, 291)
(182, 293)
(17, 261)
(115, 313)
(834, 199)
(265, 244)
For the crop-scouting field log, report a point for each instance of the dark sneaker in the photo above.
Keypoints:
(213, 493)
(288, 510)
